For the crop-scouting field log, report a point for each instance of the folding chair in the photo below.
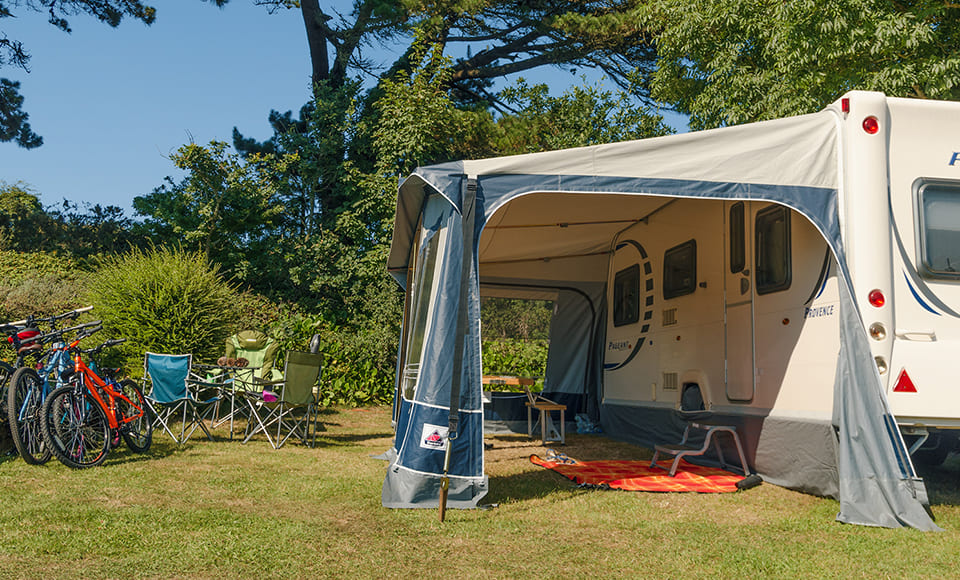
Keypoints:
(171, 398)
(293, 409)
(693, 408)
(260, 351)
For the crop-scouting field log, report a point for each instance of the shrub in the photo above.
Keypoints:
(514, 357)
(38, 283)
(167, 301)
(357, 370)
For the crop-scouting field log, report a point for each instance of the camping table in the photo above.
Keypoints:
(226, 382)
(544, 405)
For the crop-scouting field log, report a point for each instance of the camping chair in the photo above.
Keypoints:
(545, 406)
(261, 353)
(286, 408)
(171, 395)
(692, 408)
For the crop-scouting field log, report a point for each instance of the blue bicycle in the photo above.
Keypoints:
(28, 389)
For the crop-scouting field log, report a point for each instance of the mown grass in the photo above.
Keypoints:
(222, 509)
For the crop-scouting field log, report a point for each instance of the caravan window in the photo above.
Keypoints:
(738, 252)
(626, 296)
(680, 270)
(772, 249)
(940, 229)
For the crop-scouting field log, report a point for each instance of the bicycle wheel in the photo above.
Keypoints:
(137, 432)
(75, 427)
(6, 371)
(24, 400)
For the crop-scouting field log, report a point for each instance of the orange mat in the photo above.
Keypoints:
(639, 476)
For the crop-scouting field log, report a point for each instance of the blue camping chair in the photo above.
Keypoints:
(172, 394)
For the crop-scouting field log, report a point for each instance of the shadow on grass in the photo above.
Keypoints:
(351, 438)
(526, 486)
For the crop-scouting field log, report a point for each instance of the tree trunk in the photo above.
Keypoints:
(314, 20)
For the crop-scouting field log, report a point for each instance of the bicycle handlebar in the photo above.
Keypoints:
(52, 319)
(105, 344)
(94, 326)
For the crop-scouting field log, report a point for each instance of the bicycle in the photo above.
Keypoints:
(21, 336)
(26, 388)
(83, 420)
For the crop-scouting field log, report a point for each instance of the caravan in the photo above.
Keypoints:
(741, 297)
(802, 272)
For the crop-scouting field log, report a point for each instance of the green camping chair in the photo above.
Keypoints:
(261, 353)
(287, 408)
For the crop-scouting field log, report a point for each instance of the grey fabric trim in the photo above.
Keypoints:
(878, 486)
(403, 488)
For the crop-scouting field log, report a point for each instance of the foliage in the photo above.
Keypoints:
(13, 119)
(166, 301)
(38, 283)
(733, 61)
(583, 115)
(219, 208)
(28, 227)
(497, 37)
(513, 318)
(358, 362)
(514, 357)
(418, 122)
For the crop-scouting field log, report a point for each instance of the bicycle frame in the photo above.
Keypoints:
(96, 385)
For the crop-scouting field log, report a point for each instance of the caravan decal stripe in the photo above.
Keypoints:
(822, 281)
(614, 366)
(918, 287)
(916, 295)
(648, 302)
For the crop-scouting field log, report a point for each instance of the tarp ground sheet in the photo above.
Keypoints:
(793, 162)
(639, 476)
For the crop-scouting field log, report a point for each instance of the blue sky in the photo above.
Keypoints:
(113, 103)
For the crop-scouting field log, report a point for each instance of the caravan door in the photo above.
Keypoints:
(738, 303)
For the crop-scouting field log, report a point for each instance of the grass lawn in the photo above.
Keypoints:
(222, 509)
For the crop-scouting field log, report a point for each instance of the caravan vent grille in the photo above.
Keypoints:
(670, 381)
(670, 317)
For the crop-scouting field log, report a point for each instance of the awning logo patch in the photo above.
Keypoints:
(434, 437)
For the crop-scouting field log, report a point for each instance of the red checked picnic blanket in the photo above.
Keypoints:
(639, 476)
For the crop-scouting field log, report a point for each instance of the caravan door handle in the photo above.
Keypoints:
(922, 335)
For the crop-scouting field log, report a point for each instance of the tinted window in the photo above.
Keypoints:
(626, 296)
(772, 250)
(940, 228)
(738, 254)
(680, 270)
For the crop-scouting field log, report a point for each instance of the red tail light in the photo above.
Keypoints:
(871, 125)
(876, 298)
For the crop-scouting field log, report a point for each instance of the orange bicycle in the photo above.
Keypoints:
(83, 420)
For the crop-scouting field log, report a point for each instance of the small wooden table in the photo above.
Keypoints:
(545, 406)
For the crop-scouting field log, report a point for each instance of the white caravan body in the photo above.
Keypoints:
(741, 296)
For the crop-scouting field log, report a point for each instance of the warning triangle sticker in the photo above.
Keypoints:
(904, 384)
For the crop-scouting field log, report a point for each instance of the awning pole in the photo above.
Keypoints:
(468, 219)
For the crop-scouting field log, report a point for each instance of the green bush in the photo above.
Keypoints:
(356, 369)
(38, 283)
(514, 357)
(166, 301)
